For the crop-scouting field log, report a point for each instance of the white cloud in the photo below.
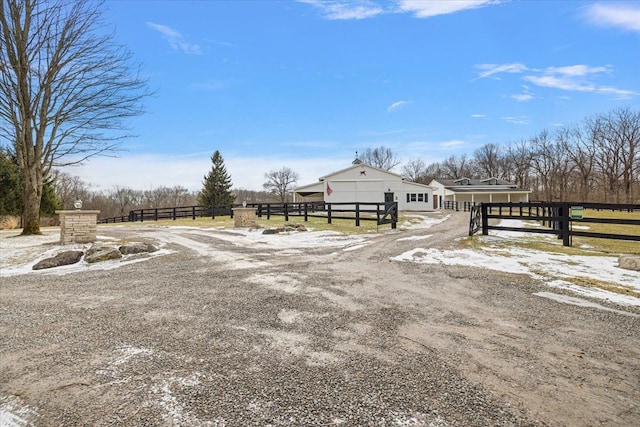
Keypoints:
(425, 9)
(563, 83)
(396, 105)
(572, 78)
(454, 143)
(491, 69)
(363, 9)
(343, 9)
(578, 78)
(479, 116)
(577, 70)
(622, 16)
(147, 171)
(176, 39)
(520, 120)
(522, 97)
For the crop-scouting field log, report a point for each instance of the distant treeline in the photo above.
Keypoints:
(595, 161)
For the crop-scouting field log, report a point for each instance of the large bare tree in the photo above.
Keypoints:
(414, 170)
(380, 157)
(66, 89)
(280, 182)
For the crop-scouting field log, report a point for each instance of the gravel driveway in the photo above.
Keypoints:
(220, 334)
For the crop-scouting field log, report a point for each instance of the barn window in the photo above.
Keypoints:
(417, 197)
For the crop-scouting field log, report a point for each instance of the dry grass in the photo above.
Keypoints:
(317, 224)
(580, 245)
(9, 222)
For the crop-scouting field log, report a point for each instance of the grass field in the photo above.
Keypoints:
(318, 224)
(586, 245)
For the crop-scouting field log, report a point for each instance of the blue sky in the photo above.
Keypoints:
(305, 84)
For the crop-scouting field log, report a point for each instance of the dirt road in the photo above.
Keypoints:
(222, 334)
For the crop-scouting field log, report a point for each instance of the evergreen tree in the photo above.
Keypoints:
(10, 184)
(11, 201)
(217, 184)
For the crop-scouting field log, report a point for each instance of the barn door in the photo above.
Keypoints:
(388, 200)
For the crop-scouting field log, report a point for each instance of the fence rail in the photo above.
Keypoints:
(382, 213)
(455, 205)
(557, 216)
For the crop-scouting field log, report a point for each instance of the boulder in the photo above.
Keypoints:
(271, 231)
(100, 252)
(294, 227)
(136, 248)
(63, 258)
(629, 262)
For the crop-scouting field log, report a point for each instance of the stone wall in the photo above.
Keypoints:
(78, 226)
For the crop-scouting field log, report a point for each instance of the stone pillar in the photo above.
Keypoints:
(78, 226)
(244, 217)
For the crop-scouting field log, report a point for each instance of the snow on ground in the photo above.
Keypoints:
(419, 221)
(15, 413)
(18, 255)
(552, 267)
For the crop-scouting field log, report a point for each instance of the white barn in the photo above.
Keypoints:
(367, 184)
(477, 191)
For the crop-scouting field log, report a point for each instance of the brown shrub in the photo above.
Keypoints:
(8, 222)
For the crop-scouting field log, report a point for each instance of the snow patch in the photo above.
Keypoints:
(580, 302)
(414, 238)
(15, 413)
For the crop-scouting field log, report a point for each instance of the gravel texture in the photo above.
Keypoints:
(321, 337)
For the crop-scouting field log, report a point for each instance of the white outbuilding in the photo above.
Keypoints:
(367, 184)
(476, 191)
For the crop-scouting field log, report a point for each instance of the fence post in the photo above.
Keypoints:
(306, 212)
(394, 216)
(328, 213)
(357, 214)
(566, 235)
(485, 220)
(286, 212)
(268, 210)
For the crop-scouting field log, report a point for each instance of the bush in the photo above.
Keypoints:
(9, 222)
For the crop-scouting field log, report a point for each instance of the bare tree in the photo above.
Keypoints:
(623, 130)
(414, 170)
(66, 89)
(583, 156)
(69, 188)
(280, 182)
(488, 161)
(607, 156)
(124, 198)
(518, 163)
(563, 164)
(457, 167)
(380, 157)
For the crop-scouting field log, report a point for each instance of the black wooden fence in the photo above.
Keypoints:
(557, 217)
(457, 206)
(382, 213)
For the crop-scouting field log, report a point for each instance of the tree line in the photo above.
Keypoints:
(597, 160)
(61, 190)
